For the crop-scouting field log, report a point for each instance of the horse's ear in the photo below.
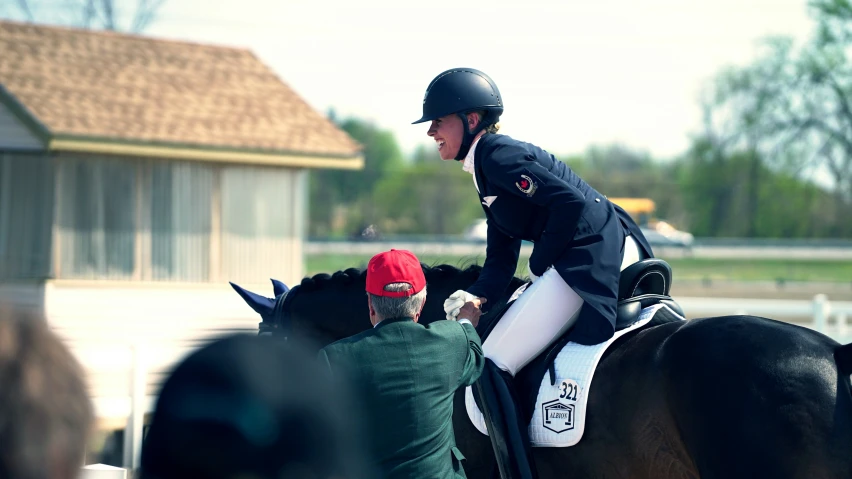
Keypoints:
(278, 287)
(261, 304)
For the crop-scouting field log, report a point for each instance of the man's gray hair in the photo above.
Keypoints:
(402, 307)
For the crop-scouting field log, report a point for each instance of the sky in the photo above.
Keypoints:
(572, 73)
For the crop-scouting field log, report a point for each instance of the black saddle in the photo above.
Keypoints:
(641, 285)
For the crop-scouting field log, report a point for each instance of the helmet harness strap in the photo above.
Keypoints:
(468, 137)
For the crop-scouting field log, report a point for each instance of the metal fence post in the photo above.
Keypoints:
(135, 423)
(842, 325)
(822, 309)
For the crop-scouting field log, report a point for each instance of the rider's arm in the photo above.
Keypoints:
(508, 167)
(501, 260)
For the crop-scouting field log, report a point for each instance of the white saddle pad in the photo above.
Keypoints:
(560, 413)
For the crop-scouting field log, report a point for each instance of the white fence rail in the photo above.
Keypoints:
(457, 247)
(828, 317)
(143, 366)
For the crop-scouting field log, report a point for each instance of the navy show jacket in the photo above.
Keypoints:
(528, 194)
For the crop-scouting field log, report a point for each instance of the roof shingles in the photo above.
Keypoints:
(128, 88)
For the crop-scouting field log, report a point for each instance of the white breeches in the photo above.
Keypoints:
(631, 253)
(546, 310)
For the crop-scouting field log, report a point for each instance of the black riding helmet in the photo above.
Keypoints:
(461, 91)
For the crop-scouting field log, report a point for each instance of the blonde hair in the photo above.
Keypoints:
(492, 128)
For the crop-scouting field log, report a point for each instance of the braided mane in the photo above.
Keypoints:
(358, 276)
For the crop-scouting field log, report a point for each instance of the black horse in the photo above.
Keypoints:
(724, 397)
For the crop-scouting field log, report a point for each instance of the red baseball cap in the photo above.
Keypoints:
(394, 266)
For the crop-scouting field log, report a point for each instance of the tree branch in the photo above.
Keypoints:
(89, 13)
(139, 16)
(845, 106)
(145, 14)
(818, 125)
(109, 14)
(25, 7)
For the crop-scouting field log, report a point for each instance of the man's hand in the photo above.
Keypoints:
(453, 304)
(471, 312)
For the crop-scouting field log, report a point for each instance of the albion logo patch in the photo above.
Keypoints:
(526, 185)
(557, 416)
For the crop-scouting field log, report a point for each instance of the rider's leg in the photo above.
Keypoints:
(546, 310)
(506, 428)
(542, 313)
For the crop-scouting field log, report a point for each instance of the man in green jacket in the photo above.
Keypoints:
(407, 372)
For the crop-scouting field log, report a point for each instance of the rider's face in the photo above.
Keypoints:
(447, 132)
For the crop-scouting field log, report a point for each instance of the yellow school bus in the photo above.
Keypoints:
(656, 232)
(641, 209)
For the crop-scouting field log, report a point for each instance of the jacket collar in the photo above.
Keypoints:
(479, 177)
(471, 154)
(392, 320)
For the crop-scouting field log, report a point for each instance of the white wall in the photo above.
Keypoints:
(102, 321)
(14, 135)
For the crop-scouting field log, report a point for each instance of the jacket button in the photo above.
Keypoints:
(597, 200)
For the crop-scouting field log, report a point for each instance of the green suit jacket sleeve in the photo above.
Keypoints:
(322, 357)
(475, 358)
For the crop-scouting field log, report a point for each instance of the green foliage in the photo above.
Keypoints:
(339, 198)
(423, 196)
(834, 21)
(792, 99)
(428, 197)
(725, 197)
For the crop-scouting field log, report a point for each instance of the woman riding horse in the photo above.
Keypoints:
(582, 242)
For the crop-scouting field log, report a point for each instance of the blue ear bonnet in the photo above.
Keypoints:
(269, 309)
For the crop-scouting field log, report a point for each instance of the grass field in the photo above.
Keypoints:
(683, 268)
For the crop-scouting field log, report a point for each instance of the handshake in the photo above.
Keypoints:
(463, 305)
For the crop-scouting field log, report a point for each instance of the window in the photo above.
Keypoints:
(96, 218)
(181, 196)
(26, 209)
(261, 217)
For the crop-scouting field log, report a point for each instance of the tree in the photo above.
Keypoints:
(791, 109)
(93, 14)
(427, 198)
(717, 187)
(340, 199)
(834, 19)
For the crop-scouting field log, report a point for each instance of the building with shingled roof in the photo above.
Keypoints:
(138, 176)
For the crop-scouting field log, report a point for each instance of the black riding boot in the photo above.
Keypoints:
(508, 434)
